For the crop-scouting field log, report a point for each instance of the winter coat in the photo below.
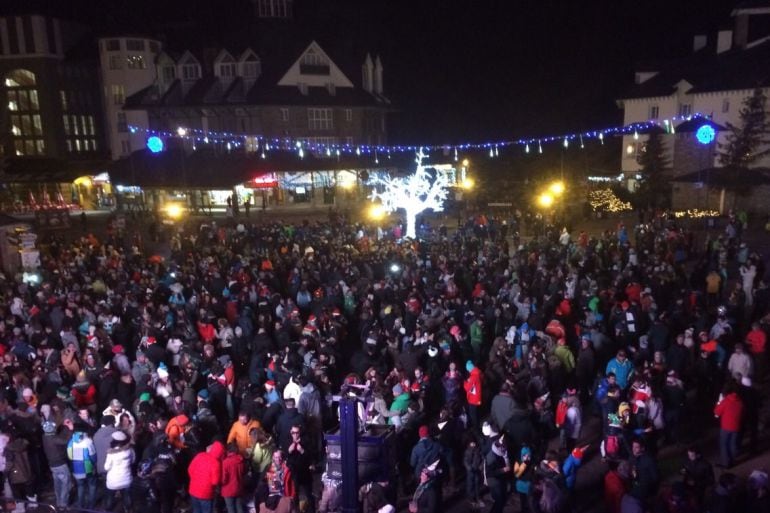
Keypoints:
(17, 467)
(501, 409)
(233, 475)
(102, 439)
(310, 402)
(565, 356)
(573, 422)
(175, 430)
(205, 472)
(622, 371)
(740, 365)
(55, 448)
(473, 387)
(426, 452)
(82, 453)
(730, 411)
(570, 469)
(262, 455)
(239, 433)
(614, 489)
(118, 466)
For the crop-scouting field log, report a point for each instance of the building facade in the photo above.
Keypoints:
(51, 124)
(714, 82)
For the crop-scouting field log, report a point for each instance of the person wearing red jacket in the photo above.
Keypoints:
(233, 478)
(205, 473)
(729, 410)
(473, 392)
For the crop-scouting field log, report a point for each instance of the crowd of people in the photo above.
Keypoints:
(207, 379)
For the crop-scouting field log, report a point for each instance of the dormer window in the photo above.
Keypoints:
(314, 63)
(191, 72)
(227, 70)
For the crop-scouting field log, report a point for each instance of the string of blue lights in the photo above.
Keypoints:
(155, 140)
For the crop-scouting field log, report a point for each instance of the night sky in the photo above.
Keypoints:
(469, 70)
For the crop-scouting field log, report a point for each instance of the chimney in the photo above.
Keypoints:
(368, 74)
(378, 76)
(724, 41)
(741, 28)
(699, 42)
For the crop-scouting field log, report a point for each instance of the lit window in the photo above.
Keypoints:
(91, 125)
(69, 145)
(25, 125)
(135, 62)
(66, 122)
(93, 144)
(63, 98)
(118, 94)
(77, 145)
(630, 149)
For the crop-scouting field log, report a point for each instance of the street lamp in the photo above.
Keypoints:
(468, 184)
(377, 212)
(545, 200)
(557, 188)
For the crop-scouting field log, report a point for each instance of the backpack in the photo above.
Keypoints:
(612, 446)
(561, 412)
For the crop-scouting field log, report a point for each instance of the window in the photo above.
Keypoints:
(84, 125)
(78, 146)
(125, 146)
(75, 126)
(122, 123)
(284, 114)
(69, 145)
(63, 98)
(685, 109)
(66, 122)
(726, 105)
(113, 45)
(654, 112)
(135, 62)
(227, 70)
(274, 8)
(320, 119)
(116, 62)
(314, 63)
(91, 130)
(190, 72)
(348, 115)
(93, 144)
(169, 73)
(118, 94)
(25, 124)
(313, 58)
(251, 68)
(154, 47)
(135, 45)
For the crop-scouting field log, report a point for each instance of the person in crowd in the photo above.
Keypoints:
(233, 479)
(118, 464)
(81, 451)
(205, 473)
(729, 410)
(55, 442)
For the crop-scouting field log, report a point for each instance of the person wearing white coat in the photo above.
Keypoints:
(118, 463)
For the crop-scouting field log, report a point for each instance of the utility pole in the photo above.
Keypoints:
(349, 452)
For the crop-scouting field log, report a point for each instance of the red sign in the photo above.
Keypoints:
(262, 182)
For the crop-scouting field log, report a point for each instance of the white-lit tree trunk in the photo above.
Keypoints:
(413, 194)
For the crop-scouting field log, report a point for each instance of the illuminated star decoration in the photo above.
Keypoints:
(155, 144)
(414, 193)
(705, 134)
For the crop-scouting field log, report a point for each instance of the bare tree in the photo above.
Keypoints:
(414, 193)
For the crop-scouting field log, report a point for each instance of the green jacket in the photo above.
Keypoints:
(477, 334)
(566, 357)
(399, 404)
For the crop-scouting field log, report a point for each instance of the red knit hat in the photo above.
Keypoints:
(423, 432)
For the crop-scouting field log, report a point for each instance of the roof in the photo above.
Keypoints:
(725, 177)
(46, 170)
(211, 169)
(709, 72)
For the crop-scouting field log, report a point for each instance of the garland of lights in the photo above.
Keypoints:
(264, 143)
(606, 201)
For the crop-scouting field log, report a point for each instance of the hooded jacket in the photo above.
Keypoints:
(102, 439)
(473, 387)
(118, 466)
(175, 430)
(239, 433)
(730, 410)
(82, 454)
(233, 475)
(205, 472)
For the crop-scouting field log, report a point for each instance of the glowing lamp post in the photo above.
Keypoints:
(545, 200)
(413, 194)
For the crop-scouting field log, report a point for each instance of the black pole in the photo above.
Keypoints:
(349, 453)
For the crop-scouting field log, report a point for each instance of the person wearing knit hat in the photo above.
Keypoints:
(425, 452)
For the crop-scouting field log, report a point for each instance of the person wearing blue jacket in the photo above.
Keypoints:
(82, 453)
(570, 467)
(622, 368)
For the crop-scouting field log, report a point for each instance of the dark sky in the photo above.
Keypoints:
(471, 70)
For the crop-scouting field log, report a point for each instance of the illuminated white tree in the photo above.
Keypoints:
(414, 193)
